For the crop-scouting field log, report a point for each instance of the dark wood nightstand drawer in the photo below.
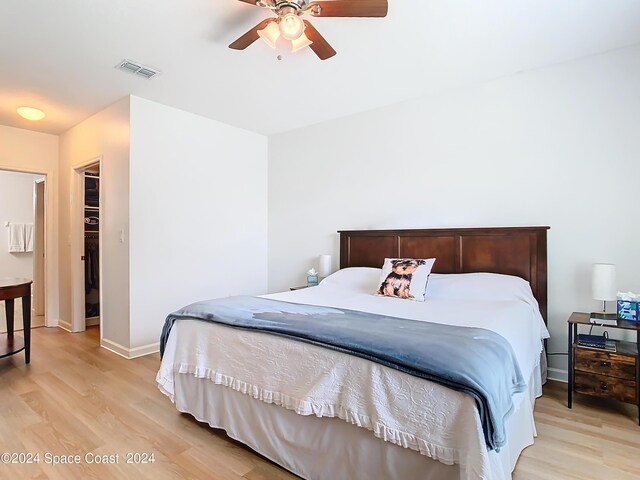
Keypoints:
(604, 363)
(604, 386)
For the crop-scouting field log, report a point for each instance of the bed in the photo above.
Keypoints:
(324, 414)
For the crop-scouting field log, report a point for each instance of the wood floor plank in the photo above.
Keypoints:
(266, 472)
(76, 397)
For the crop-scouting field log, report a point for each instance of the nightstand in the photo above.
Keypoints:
(298, 288)
(599, 373)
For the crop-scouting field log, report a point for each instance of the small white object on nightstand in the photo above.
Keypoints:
(603, 288)
(325, 266)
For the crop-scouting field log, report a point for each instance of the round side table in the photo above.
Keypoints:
(10, 289)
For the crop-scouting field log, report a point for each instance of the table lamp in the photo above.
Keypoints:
(603, 288)
(325, 266)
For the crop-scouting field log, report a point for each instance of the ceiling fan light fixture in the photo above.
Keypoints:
(270, 34)
(291, 26)
(300, 43)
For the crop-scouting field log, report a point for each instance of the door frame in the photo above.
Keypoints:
(36, 262)
(51, 299)
(76, 201)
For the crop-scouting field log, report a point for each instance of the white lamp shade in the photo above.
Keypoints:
(291, 26)
(300, 43)
(270, 34)
(325, 265)
(603, 282)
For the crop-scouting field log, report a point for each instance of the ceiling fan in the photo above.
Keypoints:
(299, 32)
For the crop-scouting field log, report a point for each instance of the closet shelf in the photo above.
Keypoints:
(90, 207)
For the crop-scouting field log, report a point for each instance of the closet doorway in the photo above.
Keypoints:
(85, 247)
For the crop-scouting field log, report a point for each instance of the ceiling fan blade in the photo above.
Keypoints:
(251, 36)
(349, 8)
(320, 46)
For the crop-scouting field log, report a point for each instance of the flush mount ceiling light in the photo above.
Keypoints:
(300, 33)
(30, 113)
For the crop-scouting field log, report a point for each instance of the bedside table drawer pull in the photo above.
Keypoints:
(603, 386)
(605, 364)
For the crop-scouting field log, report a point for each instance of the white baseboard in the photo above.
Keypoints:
(130, 353)
(558, 375)
(52, 323)
(115, 348)
(64, 325)
(144, 350)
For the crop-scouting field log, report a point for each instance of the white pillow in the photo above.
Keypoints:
(479, 286)
(359, 277)
(405, 278)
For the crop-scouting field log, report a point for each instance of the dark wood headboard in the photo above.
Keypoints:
(519, 251)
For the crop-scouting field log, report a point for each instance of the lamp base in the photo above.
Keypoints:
(602, 318)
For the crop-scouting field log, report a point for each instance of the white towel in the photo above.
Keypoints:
(28, 237)
(16, 237)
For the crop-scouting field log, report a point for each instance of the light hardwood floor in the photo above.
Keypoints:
(76, 398)
(36, 320)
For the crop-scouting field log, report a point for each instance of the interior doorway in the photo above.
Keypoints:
(22, 247)
(92, 245)
(85, 247)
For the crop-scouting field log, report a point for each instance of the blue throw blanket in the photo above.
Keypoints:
(475, 361)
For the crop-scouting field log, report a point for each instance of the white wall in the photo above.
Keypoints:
(558, 146)
(198, 214)
(32, 152)
(104, 135)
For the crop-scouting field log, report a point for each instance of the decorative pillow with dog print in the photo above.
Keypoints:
(405, 278)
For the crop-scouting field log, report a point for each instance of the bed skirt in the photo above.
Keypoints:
(329, 448)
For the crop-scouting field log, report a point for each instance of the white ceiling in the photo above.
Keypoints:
(60, 55)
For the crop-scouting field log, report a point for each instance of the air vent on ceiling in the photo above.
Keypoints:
(137, 69)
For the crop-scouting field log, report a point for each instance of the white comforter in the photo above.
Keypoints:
(438, 422)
